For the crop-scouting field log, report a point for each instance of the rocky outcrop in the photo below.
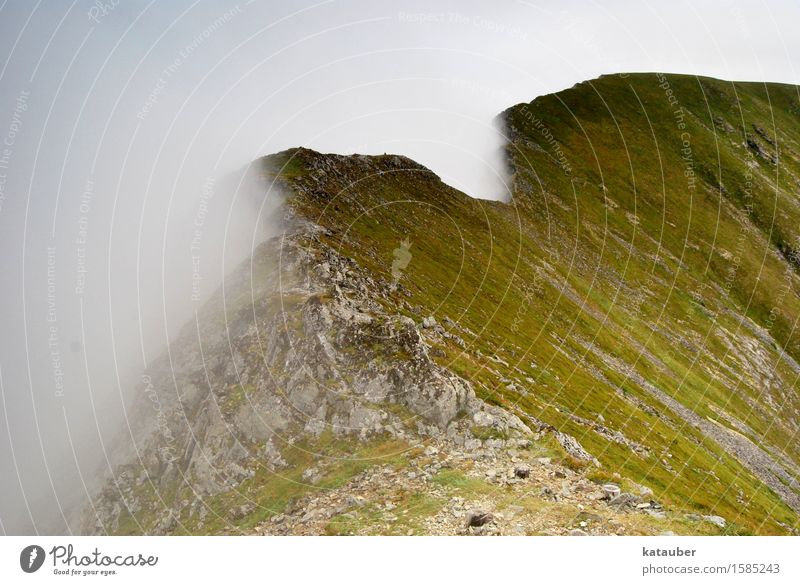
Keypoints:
(305, 349)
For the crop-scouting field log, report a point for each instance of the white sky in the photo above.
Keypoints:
(424, 79)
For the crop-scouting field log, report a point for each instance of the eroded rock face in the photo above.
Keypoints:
(304, 348)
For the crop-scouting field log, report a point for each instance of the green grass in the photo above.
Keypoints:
(407, 518)
(484, 433)
(268, 492)
(662, 287)
(457, 482)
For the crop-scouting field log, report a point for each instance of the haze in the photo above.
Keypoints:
(121, 122)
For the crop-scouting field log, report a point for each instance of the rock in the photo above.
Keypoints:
(522, 472)
(478, 518)
(573, 447)
(549, 494)
(166, 524)
(428, 322)
(577, 532)
(544, 460)
(755, 147)
(495, 443)
(763, 133)
(723, 125)
(436, 395)
(309, 516)
(483, 419)
(242, 511)
(716, 520)
(324, 270)
(472, 444)
(624, 501)
(312, 475)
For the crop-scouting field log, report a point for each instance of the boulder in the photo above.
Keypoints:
(477, 518)
(716, 520)
(624, 501)
(522, 472)
(428, 322)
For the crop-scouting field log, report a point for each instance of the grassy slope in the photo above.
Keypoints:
(651, 269)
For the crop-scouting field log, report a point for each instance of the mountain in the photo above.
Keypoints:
(612, 350)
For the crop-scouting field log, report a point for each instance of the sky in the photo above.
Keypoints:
(122, 120)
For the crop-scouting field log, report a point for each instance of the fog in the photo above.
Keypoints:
(122, 123)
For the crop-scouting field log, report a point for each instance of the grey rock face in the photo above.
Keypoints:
(300, 347)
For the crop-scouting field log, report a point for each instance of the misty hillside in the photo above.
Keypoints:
(611, 351)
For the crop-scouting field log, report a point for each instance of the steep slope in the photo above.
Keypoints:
(627, 317)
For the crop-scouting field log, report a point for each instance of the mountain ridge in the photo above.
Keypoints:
(628, 314)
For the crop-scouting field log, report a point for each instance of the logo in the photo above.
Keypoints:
(31, 558)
